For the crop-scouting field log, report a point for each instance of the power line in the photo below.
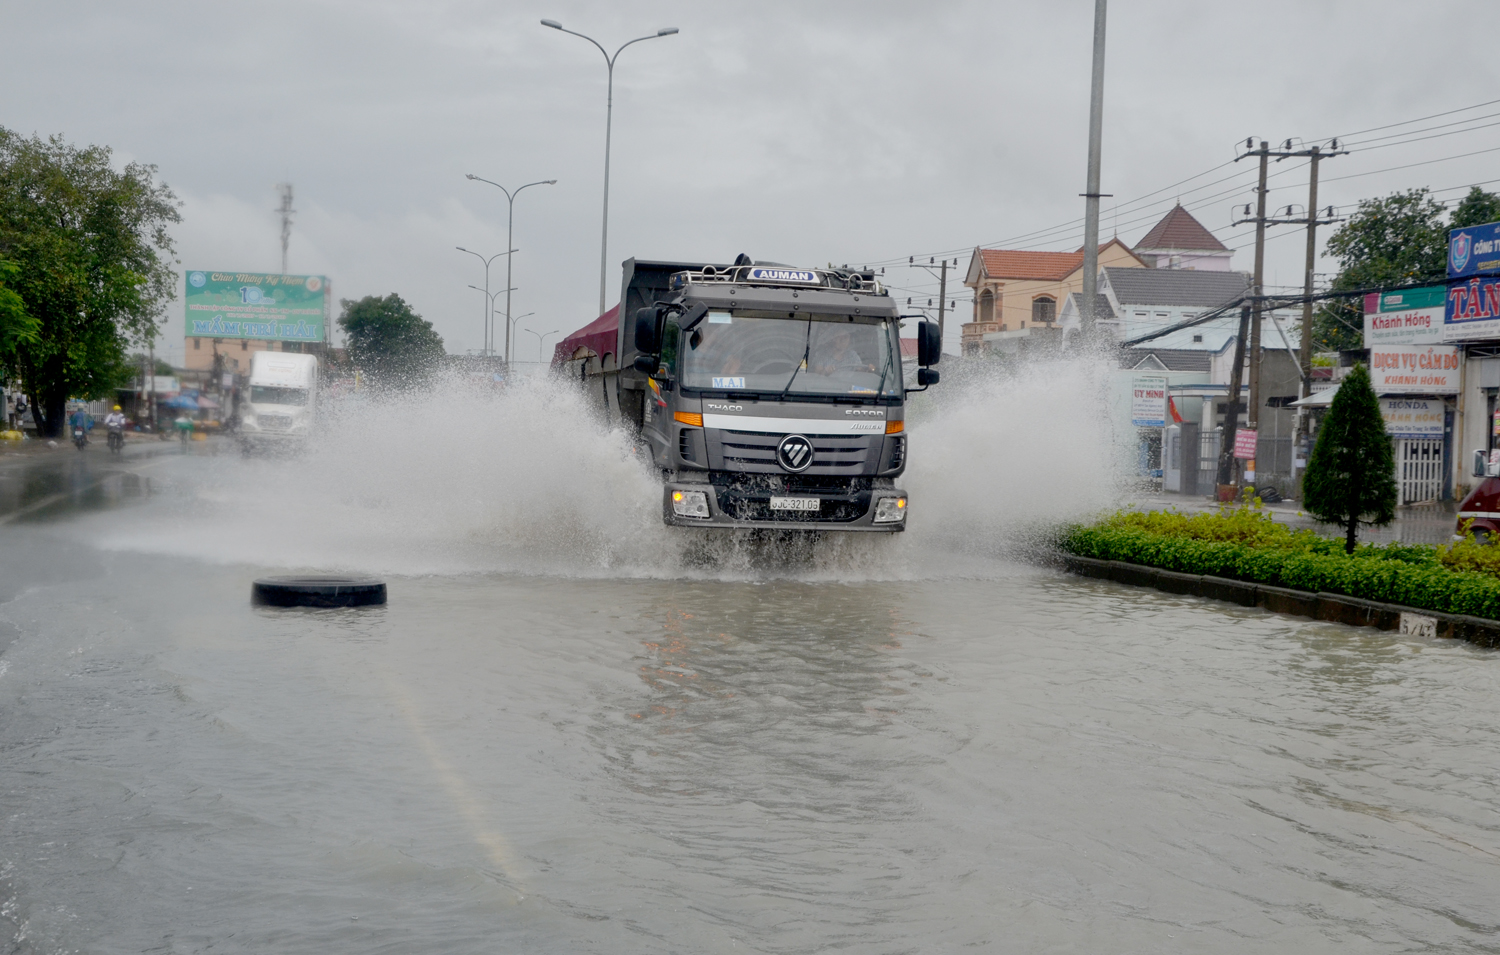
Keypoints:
(1419, 119)
(1413, 132)
(1423, 139)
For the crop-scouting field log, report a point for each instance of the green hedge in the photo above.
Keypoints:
(1402, 575)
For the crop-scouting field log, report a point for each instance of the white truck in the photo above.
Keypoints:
(282, 401)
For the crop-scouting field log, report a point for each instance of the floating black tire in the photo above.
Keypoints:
(317, 592)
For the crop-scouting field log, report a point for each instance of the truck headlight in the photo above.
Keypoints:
(690, 503)
(889, 510)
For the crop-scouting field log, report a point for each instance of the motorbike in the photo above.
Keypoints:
(116, 440)
(80, 438)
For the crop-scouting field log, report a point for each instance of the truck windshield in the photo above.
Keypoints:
(816, 355)
(275, 395)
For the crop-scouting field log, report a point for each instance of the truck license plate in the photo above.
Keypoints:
(795, 504)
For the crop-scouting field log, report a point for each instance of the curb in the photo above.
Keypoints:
(1335, 608)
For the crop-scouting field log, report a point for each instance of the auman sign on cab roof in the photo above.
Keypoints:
(258, 305)
(802, 276)
(1474, 250)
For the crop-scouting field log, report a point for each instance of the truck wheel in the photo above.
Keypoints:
(317, 592)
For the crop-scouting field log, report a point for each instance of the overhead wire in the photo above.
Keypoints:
(1069, 230)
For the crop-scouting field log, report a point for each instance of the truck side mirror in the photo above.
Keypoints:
(928, 376)
(1480, 460)
(929, 344)
(645, 364)
(645, 330)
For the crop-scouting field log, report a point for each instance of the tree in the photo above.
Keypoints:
(388, 342)
(94, 267)
(17, 327)
(1396, 240)
(1477, 208)
(1391, 241)
(1351, 478)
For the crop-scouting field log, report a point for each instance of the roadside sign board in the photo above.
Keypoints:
(1413, 417)
(1148, 402)
(1411, 316)
(1472, 310)
(1414, 369)
(256, 305)
(1244, 444)
(1474, 250)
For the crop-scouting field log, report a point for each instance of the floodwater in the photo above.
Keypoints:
(569, 733)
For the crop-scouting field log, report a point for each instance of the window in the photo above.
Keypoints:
(987, 306)
(244, 344)
(197, 344)
(1043, 309)
(1197, 339)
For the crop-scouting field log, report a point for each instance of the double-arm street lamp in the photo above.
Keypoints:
(488, 299)
(609, 62)
(541, 339)
(510, 221)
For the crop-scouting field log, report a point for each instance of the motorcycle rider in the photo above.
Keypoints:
(81, 420)
(115, 422)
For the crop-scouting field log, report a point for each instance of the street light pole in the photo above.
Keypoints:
(485, 347)
(541, 338)
(510, 221)
(609, 112)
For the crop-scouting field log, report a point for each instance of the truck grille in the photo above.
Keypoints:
(756, 451)
(274, 422)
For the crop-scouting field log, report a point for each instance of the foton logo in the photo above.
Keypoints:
(861, 411)
(712, 406)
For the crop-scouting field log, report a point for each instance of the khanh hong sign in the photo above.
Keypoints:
(1411, 316)
(1414, 369)
(1472, 310)
(1413, 417)
(1148, 402)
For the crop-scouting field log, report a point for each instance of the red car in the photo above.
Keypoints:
(1482, 506)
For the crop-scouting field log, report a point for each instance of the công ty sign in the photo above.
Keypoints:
(258, 305)
(1474, 250)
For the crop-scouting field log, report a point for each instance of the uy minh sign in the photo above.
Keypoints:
(289, 308)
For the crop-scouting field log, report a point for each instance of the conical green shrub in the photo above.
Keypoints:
(1351, 478)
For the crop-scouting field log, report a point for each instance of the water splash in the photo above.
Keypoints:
(533, 481)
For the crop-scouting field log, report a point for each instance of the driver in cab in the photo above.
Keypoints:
(835, 353)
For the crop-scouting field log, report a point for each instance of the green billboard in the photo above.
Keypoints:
(284, 308)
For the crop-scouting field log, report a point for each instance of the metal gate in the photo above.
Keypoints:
(1419, 469)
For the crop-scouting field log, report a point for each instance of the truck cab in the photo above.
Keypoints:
(282, 402)
(770, 396)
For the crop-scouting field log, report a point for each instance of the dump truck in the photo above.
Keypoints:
(767, 396)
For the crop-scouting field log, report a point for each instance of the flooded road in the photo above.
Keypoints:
(910, 748)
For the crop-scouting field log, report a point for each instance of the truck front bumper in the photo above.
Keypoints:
(854, 513)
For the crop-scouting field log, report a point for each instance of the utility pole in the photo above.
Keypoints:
(1232, 412)
(1258, 290)
(1261, 220)
(942, 297)
(1091, 197)
(286, 211)
(1304, 347)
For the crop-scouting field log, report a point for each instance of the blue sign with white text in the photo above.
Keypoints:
(799, 276)
(1474, 250)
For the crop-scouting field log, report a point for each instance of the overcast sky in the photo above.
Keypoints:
(850, 132)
